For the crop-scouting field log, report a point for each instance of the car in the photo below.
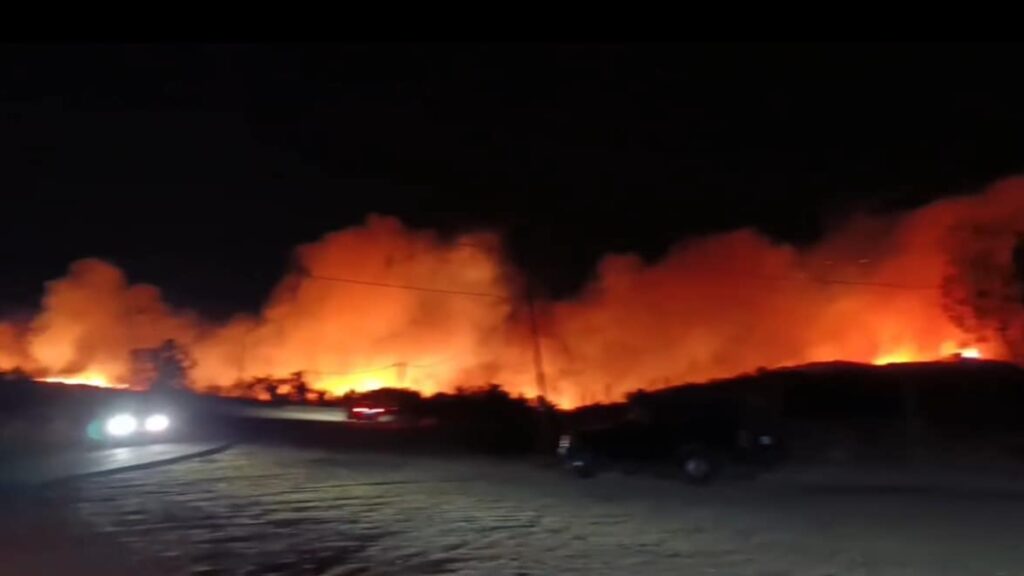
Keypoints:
(375, 413)
(694, 449)
(138, 419)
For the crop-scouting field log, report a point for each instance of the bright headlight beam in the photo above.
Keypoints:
(156, 423)
(121, 425)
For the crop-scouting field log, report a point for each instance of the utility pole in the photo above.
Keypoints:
(241, 357)
(547, 425)
(538, 354)
(540, 379)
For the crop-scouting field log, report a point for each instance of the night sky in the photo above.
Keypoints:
(198, 168)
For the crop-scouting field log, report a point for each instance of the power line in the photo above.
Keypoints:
(729, 272)
(841, 282)
(353, 372)
(837, 282)
(381, 369)
(874, 284)
(406, 287)
(827, 281)
(430, 364)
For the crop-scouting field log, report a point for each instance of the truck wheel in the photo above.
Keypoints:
(582, 465)
(697, 467)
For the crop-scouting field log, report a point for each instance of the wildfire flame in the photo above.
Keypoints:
(947, 350)
(85, 379)
(382, 305)
(972, 353)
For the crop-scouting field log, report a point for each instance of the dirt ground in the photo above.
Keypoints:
(262, 511)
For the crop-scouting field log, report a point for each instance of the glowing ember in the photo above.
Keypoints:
(947, 350)
(896, 358)
(339, 385)
(98, 380)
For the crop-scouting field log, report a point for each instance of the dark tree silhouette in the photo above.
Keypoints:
(293, 388)
(982, 292)
(165, 367)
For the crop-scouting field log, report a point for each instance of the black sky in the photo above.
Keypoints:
(198, 168)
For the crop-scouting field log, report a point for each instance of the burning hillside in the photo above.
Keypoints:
(384, 305)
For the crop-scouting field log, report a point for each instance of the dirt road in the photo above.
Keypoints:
(261, 511)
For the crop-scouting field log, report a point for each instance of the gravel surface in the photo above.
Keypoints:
(262, 511)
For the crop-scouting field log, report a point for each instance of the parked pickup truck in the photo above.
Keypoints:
(695, 445)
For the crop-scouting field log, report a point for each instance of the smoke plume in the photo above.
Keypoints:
(383, 305)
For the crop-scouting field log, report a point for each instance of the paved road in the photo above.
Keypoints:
(34, 470)
(261, 511)
(41, 534)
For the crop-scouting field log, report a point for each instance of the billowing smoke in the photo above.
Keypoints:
(93, 318)
(370, 306)
(383, 305)
(12, 352)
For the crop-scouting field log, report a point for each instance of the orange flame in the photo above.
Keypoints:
(972, 353)
(947, 350)
(382, 305)
(85, 379)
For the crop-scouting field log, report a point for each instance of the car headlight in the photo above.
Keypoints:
(156, 423)
(121, 425)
